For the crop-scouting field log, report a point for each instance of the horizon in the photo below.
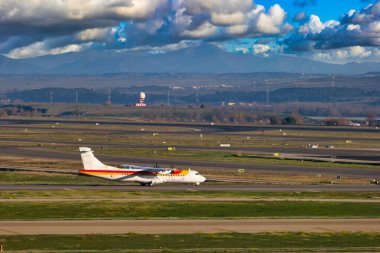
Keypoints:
(149, 52)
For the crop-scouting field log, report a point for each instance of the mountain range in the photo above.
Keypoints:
(202, 59)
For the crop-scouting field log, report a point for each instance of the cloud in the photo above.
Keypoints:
(260, 49)
(269, 23)
(205, 30)
(355, 53)
(40, 48)
(243, 50)
(35, 24)
(232, 19)
(314, 26)
(36, 27)
(51, 12)
(300, 16)
(358, 51)
(168, 47)
(355, 28)
(95, 34)
(229, 12)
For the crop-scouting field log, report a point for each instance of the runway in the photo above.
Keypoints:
(187, 226)
(204, 127)
(47, 152)
(203, 188)
(370, 155)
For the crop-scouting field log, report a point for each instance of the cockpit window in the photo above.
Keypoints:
(197, 174)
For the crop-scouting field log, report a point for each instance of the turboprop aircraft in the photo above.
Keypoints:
(132, 173)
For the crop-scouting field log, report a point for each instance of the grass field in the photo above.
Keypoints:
(228, 242)
(113, 138)
(213, 156)
(63, 205)
(170, 209)
(175, 195)
(54, 178)
(48, 178)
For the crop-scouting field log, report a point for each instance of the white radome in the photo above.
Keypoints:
(142, 95)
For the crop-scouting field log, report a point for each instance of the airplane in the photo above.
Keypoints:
(138, 174)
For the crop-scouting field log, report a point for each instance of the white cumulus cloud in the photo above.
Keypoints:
(37, 27)
(261, 49)
(350, 54)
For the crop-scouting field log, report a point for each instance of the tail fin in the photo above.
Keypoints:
(90, 162)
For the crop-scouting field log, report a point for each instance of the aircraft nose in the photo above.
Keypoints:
(203, 178)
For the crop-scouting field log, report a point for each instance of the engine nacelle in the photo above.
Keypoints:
(157, 181)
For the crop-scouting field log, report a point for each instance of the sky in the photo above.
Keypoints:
(325, 9)
(336, 31)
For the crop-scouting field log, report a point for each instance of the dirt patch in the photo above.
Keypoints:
(188, 226)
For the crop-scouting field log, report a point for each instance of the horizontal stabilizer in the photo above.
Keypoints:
(84, 149)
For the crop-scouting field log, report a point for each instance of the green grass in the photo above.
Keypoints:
(72, 132)
(45, 178)
(267, 242)
(325, 133)
(191, 209)
(310, 161)
(116, 194)
(219, 156)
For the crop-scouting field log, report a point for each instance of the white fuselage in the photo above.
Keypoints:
(147, 175)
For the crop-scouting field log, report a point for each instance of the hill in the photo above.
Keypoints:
(203, 59)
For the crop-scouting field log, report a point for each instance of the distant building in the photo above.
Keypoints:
(141, 102)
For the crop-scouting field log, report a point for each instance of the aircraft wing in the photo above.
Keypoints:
(163, 171)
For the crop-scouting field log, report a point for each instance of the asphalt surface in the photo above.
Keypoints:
(9, 149)
(197, 131)
(368, 155)
(188, 226)
(202, 187)
(233, 131)
(204, 127)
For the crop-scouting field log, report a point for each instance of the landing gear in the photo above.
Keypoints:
(147, 184)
